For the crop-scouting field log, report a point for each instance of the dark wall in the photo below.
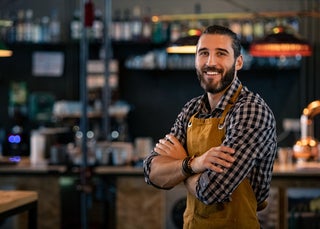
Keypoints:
(18, 68)
(158, 96)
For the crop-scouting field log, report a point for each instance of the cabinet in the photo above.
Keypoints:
(297, 194)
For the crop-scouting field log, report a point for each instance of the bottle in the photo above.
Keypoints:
(28, 26)
(75, 26)
(20, 26)
(136, 23)
(247, 31)
(36, 31)
(97, 26)
(258, 29)
(146, 32)
(45, 29)
(175, 31)
(235, 26)
(126, 26)
(54, 27)
(12, 30)
(157, 30)
(116, 27)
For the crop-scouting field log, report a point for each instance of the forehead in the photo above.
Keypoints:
(215, 41)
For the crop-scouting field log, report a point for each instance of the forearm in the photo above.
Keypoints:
(166, 172)
(191, 184)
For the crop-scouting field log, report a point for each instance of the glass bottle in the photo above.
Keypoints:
(45, 30)
(28, 26)
(116, 26)
(126, 26)
(36, 31)
(20, 26)
(97, 26)
(146, 26)
(136, 23)
(54, 27)
(75, 26)
(12, 30)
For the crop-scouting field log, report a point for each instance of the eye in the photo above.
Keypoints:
(203, 53)
(221, 54)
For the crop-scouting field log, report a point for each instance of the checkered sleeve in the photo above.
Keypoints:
(251, 131)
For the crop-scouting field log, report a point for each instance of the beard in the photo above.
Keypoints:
(226, 80)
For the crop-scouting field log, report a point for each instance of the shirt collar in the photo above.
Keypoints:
(225, 97)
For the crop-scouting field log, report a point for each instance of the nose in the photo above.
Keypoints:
(211, 61)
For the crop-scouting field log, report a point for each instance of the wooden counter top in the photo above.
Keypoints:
(293, 170)
(118, 170)
(24, 167)
(13, 199)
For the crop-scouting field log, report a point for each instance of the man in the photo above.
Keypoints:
(222, 144)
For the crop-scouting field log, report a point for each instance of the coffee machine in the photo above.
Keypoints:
(307, 148)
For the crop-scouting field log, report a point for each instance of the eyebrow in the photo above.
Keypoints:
(217, 49)
(222, 50)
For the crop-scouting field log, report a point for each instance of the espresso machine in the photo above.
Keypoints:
(307, 148)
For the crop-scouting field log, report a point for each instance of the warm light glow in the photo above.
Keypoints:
(194, 32)
(184, 45)
(312, 109)
(277, 29)
(186, 49)
(269, 50)
(155, 19)
(5, 53)
(282, 41)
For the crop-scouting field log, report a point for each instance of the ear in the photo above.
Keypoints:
(239, 62)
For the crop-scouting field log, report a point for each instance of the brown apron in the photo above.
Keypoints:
(240, 212)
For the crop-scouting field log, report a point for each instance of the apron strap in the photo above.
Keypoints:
(228, 107)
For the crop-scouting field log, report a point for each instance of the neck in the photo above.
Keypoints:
(214, 99)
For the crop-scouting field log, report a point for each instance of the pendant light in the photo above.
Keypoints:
(282, 41)
(4, 51)
(184, 45)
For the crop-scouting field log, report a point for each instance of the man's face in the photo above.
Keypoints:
(215, 63)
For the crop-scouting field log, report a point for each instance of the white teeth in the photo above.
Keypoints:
(212, 73)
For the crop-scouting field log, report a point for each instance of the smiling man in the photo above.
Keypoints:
(222, 144)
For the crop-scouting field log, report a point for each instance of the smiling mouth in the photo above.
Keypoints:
(212, 73)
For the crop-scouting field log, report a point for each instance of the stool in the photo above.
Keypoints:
(15, 202)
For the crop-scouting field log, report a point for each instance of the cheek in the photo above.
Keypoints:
(199, 62)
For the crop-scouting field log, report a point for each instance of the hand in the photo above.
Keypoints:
(170, 146)
(215, 159)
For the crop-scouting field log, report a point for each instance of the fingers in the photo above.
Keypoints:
(219, 165)
(221, 158)
(171, 138)
(223, 152)
(225, 149)
(170, 146)
(162, 147)
(165, 144)
(216, 159)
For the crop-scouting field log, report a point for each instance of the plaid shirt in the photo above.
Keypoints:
(250, 130)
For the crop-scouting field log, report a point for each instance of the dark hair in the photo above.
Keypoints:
(217, 29)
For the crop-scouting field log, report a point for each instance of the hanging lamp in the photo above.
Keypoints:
(4, 51)
(185, 45)
(282, 41)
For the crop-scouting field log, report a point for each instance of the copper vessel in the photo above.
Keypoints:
(307, 148)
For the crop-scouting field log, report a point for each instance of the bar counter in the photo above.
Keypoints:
(125, 189)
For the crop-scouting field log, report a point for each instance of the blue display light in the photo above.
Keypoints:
(14, 139)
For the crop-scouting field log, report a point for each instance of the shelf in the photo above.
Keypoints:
(249, 15)
(78, 115)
